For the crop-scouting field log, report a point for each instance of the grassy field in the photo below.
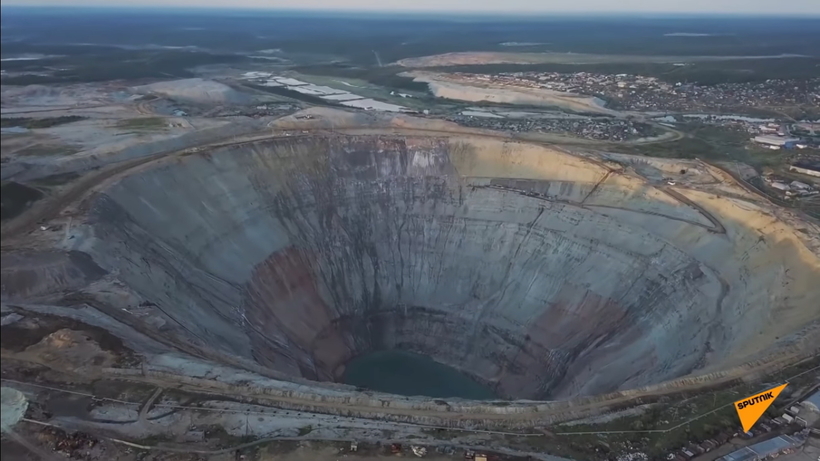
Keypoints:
(710, 142)
(143, 124)
(379, 77)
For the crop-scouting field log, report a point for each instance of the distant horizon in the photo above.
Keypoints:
(507, 13)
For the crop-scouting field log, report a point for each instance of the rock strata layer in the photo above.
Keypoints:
(542, 274)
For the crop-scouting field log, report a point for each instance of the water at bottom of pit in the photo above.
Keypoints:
(406, 373)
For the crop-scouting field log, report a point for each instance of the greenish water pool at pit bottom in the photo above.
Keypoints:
(407, 373)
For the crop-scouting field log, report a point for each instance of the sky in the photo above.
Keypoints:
(477, 6)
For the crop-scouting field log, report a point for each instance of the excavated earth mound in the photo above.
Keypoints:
(539, 273)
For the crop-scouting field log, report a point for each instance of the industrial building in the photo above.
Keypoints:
(777, 141)
(806, 167)
(763, 449)
(813, 402)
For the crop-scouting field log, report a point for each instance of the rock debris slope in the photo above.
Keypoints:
(540, 273)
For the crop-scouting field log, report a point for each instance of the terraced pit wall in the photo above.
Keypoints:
(539, 273)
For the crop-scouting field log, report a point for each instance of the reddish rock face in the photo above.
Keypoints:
(282, 300)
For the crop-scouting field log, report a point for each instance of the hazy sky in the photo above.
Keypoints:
(510, 6)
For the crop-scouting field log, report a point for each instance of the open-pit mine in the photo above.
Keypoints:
(562, 282)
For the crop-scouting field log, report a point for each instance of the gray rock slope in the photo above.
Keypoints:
(532, 270)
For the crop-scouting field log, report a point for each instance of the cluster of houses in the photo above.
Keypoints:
(420, 451)
(639, 92)
(802, 415)
(754, 452)
(696, 449)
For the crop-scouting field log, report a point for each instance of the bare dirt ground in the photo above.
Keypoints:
(14, 146)
(112, 120)
(196, 90)
(450, 86)
(71, 130)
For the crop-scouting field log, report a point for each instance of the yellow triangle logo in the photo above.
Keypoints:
(752, 408)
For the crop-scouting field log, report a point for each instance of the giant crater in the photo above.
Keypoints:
(541, 274)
